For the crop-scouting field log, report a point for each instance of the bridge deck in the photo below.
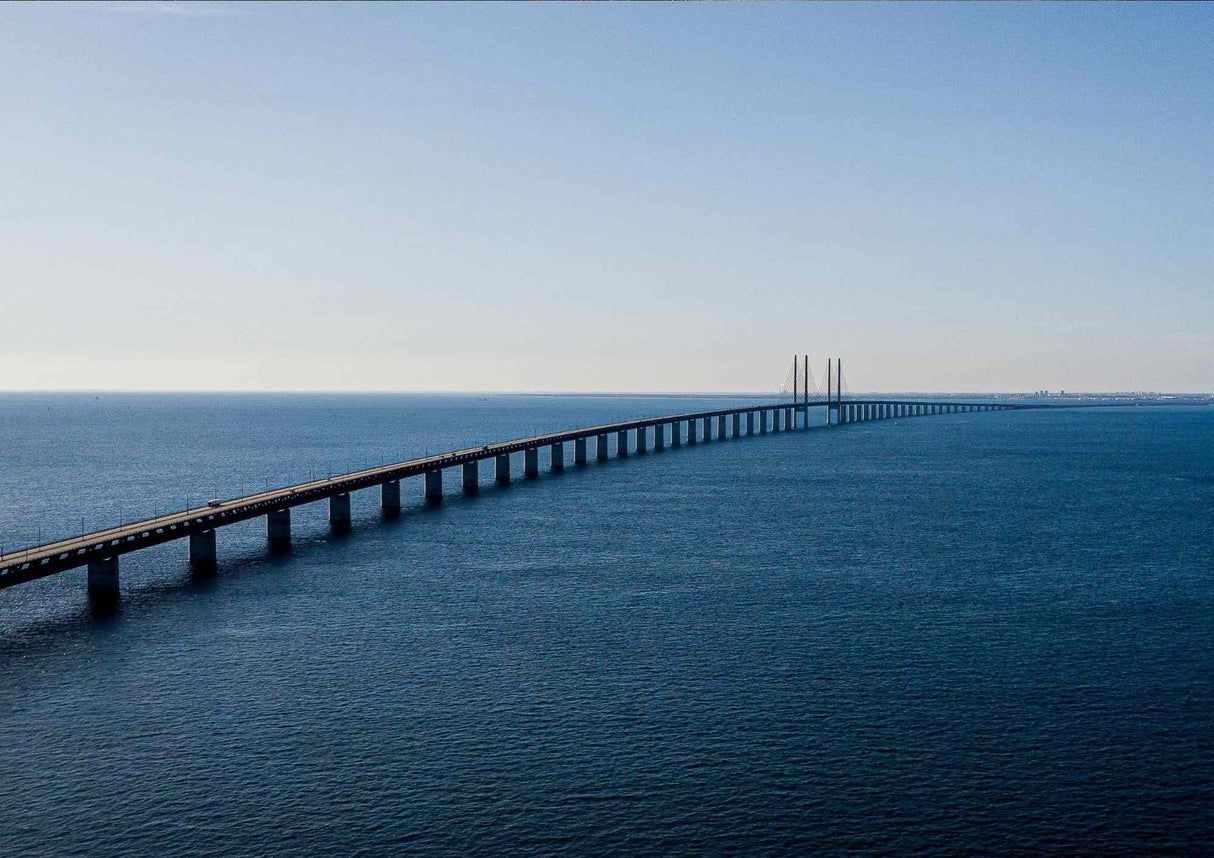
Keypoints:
(39, 561)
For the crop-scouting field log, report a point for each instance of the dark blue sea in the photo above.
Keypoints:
(973, 634)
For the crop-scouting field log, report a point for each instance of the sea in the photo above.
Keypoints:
(986, 633)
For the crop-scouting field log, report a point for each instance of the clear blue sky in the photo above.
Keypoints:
(606, 197)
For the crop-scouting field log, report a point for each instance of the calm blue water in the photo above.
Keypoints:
(985, 633)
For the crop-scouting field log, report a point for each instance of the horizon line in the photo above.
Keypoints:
(752, 393)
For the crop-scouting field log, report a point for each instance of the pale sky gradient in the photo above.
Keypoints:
(606, 197)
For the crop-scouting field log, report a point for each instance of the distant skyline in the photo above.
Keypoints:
(639, 198)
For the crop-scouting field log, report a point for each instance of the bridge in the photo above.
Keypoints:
(100, 550)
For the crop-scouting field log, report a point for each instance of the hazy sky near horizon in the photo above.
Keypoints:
(606, 197)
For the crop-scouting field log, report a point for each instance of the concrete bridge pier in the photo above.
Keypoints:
(750, 423)
(735, 421)
(706, 430)
(434, 485)
(339, 511)
(621, 443)
(659, 437)
(691, 432)
(501, 468)
(558, 456)
(579, 451)
(389, 496)
(278, 529)
(722, 431)
(600, 447)
(202, 550)
(676, 433)
(531, 462)
(471, 477)
(777, 420)
(103, 578)
(642, 439)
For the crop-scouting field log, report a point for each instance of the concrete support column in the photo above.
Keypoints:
(764, 415)
(600, 447)
(579, 451)
(736, 420)
(659, 437)
(692, 434)
(339, 510)
(706, 429)
(777, 419)
(202, 549)
(471, 477)
(531, 462)
(558, 456)
(621, 443)
(103, 578)
(722, 430)
(434, 485)
(278, 529)
(642, 439)
(501, 468)
(750, 423)
(676, 433)
(389, 496)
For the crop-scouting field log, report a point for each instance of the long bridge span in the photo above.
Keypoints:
(100, 550)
